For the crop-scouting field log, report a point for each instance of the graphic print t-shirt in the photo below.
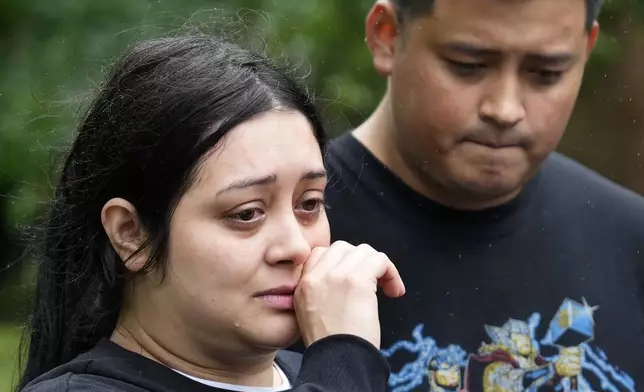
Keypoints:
(543, 293)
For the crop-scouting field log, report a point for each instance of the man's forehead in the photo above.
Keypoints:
(523, 25)
(516, 14)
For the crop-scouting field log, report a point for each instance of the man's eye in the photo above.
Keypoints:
(466, 68)
(547, 76)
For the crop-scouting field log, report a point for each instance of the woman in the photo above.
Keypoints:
(188, 243)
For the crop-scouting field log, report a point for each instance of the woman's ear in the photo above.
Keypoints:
(121, 223)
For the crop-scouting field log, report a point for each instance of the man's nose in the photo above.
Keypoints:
(502, 105)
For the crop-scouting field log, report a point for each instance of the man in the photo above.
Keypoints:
(521, 266)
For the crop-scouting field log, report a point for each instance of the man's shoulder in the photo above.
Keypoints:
(349, 162)
(342, 150)
(341, 139)
(573, 180)
(574, 176)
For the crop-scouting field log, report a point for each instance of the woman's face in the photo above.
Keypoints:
(238, 239)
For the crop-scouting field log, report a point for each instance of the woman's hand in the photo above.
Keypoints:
(337, 292)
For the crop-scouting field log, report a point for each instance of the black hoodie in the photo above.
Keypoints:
(337, 363)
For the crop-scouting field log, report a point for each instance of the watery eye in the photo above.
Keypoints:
(247, 215)
(311, 204)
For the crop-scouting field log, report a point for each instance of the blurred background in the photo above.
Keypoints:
(53, 53)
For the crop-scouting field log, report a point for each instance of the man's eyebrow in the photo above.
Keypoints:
(480, 51)
(470, 49)
(551, 58)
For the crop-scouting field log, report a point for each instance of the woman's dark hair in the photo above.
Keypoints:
(164, 106)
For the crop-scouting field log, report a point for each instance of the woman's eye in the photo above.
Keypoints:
(247, 215)
(311, 205)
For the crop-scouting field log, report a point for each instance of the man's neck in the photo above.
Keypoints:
(246, 370)
(376, 134)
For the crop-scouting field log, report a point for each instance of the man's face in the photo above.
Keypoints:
(481, 91)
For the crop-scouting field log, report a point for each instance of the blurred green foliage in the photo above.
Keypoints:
(53, 54)
(9, 342)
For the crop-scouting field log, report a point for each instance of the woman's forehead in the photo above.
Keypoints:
(269, 144)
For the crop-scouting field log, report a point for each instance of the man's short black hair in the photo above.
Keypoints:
(409, 9)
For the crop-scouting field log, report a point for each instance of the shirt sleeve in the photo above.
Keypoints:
(342, 363)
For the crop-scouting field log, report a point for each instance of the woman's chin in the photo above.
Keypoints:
(278, 332)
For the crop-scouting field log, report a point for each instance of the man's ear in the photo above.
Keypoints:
(121, 223)
(382, 29)
(593, 36)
